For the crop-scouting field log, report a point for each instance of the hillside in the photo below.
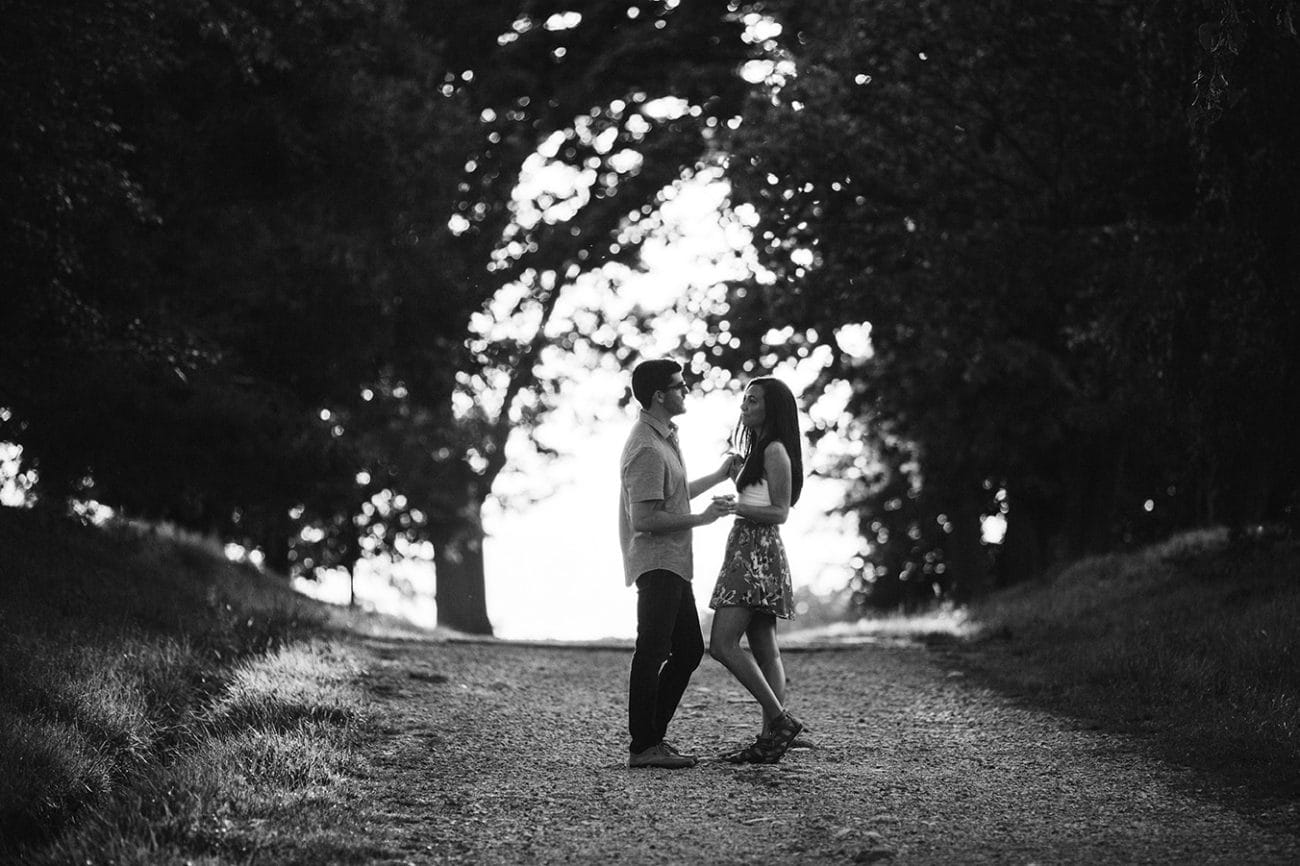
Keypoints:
(1192, 645)
(161, 703)
(124, 652)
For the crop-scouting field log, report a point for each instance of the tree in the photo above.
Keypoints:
(230, 272)
(613, 104)
(259, 272)
(1009, 198)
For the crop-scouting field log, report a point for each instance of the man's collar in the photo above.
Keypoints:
(663, 428)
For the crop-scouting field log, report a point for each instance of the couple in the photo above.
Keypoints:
(753, 588)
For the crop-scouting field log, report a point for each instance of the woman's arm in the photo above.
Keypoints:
(717, 476)
(776, 468)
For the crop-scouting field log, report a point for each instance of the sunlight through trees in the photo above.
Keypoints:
(310, 278)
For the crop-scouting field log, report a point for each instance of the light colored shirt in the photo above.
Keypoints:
(755, 494)
(651, 470)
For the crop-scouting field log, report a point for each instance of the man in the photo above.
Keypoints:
(655, 523)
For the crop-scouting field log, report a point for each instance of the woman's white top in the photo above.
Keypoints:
(755, 494)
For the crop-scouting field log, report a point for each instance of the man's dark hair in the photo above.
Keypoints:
(651, 376)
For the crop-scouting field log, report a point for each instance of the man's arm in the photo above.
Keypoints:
(649, 516)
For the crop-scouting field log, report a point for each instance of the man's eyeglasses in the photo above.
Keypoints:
(680, 387)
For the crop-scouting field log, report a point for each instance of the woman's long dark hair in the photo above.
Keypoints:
(780, 424)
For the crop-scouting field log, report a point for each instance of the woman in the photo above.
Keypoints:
(753, 588)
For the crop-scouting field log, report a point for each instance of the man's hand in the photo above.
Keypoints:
(721, 506)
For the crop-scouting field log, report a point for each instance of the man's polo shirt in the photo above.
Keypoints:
(652, 469)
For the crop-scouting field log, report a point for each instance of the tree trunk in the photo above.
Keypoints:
(1105, 473)
(1066, 543)
(351, 556)
(1022, 555)
(277, 533)
(458, 562)
(966, 553)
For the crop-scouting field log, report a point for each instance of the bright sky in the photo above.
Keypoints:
(552, 559)
(553, 564)
(555, 571)
(553, 567)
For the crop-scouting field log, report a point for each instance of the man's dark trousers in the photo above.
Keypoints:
(669, 647)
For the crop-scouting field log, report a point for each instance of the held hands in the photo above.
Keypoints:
(720, 507)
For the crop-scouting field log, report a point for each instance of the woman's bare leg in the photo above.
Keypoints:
(729, 624)
(761, 633)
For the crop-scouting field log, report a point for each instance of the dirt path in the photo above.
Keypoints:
(496, 754)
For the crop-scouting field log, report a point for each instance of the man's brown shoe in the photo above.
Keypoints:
(657, 756)
(672, 750)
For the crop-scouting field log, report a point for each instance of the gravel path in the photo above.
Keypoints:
(495, 753)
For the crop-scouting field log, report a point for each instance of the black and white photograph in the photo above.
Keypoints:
(493, 432)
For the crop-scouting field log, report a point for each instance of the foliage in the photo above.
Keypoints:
(259, 249)
(1066, 316)
(292, 273)
(229, 263)
(587, 112)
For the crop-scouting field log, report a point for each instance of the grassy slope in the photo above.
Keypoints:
(157, 702)
(152, 691)
(1192, 644)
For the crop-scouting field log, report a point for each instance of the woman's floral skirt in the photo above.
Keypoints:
(755, 571)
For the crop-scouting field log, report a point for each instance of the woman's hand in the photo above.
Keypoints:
(721, 506)
(728, 468)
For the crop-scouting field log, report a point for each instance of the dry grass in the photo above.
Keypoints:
(159, 704)
(156, 698)
(1192, 643)
(947, 622)
(270, 743)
